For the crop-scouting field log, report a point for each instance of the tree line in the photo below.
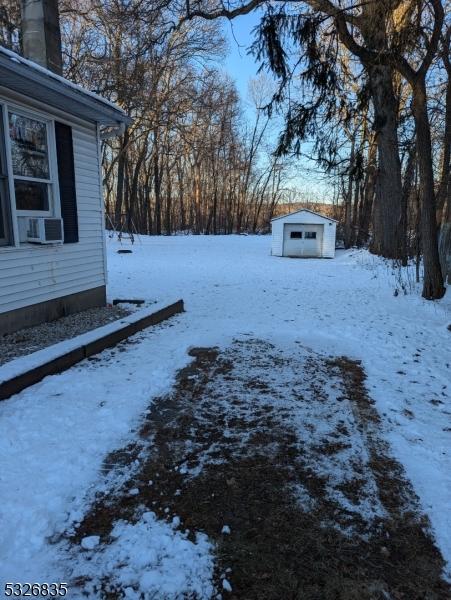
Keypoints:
(370, 83)
(365, 86)
(193, 160)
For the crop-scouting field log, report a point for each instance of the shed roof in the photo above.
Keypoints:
(304, 210)
(30, 79)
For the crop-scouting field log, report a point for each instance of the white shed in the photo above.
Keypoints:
(303, 233)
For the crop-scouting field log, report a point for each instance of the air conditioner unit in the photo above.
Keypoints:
(44, 230)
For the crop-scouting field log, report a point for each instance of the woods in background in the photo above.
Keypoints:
(369, 84)
(191, 161)
(365, 87)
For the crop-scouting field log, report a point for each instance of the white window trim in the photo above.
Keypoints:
(54, 195)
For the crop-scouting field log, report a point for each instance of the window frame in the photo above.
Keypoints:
(49, 125)
(52, 183)
(5, 203)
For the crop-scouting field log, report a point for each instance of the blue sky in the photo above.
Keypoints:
(238, 64)
(242, 67)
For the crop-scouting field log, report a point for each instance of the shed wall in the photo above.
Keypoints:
(330, 232)
(32, 274)
(304, 217)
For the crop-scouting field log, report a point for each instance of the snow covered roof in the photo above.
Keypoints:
(30, 79)
(304, 210)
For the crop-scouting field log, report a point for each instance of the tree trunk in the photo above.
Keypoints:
(445, 239)
(120, 182)
(406, 193)
(445, 251)
(433, 288)
(387, 217)
(444, 190)
(348, 198)
(167, 218)
(157, 186)
(366, 201)
(444, 193)
(445, 178)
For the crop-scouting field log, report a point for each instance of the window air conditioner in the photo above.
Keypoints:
(43, 230)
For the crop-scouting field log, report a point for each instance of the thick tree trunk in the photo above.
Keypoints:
(433, 288)
(445, 251)
(388, 232)
(445, 239)
(445, 178)
(444, 192)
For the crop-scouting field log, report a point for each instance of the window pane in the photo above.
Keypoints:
(31, 195)
(28, 147)
(310, 235)
(296, 235)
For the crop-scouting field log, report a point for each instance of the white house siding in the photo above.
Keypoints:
(304, 218)
(31, 273)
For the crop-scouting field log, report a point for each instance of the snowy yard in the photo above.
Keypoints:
(135, 468)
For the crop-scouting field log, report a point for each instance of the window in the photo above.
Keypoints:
(37, 173)
(30, 163)
(296, 235)
(310, 235)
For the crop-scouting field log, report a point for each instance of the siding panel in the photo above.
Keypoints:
(32, 274)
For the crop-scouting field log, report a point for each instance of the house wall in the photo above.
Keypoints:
(32, 275)
(304, 217)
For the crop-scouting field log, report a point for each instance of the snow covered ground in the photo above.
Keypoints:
(55, 435)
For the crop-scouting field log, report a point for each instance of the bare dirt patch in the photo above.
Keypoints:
(285, 450)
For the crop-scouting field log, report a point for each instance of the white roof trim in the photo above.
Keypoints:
(317, 214)
(69, 85)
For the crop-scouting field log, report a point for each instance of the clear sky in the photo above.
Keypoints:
(239, 64)
(242, 67)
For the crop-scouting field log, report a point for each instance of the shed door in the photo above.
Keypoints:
(302, 239)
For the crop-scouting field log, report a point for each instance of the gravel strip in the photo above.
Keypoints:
(31, 339)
